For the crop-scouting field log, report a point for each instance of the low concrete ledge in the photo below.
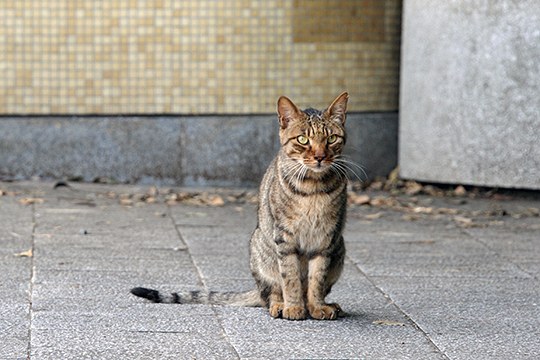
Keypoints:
(189, 151)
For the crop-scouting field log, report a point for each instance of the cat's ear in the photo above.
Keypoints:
(338, 109)
(287, 111)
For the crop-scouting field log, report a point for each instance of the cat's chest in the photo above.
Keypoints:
(312, 222)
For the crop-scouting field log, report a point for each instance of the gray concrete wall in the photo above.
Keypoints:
(470, 92)
(191, 151)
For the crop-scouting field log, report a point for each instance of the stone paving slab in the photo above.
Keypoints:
(413, 288)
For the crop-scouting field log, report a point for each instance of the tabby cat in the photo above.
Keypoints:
(297, 250)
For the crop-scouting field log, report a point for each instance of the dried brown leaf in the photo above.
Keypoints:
(433, 191)
(374, 216)
(460, 191)
(383, 201)
(126, 202)
(27, 253)
(357, 199)
(412, 188)
(152, 191)
(376, 185)
(466, 222)
(533, 211)
(215, 200)
(150, 200)
(422, 210)
(462, 220)
(447, 211)
(30, 201)
(393, 177)
(410, 217)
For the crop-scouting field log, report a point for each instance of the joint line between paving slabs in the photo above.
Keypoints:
(391, 301)
(201, 281)
(498, 254)
(32, 280)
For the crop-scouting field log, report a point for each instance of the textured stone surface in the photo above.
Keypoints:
(193, 151)
(16, 223)
(470, 95)
(425, 289)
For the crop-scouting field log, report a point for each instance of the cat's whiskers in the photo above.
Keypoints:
(293, 171)
(301, 173)
(344, 165)
(337, 169)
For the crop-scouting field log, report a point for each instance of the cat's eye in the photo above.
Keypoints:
(302, 139)
(332, 139)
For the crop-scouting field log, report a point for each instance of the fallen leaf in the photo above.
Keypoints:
(139, 197)
(393, 177)
(383, 201)
(150, 200)
(30, 201)
(433, 191)
(533, 212)
(111, 195)
(126, 202)
(412, 188)
(374, 216)
(388, 323)
(376, 185)
(464, 221)
(447, 211)
(215, 200)
(422, 210)
(27, 253)
(361, 199)
(174, 197)
(152, 191)
(410, 217)
(460, 191)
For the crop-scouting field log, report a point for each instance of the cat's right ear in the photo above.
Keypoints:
(287, 111)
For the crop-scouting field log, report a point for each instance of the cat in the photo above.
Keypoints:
(297, 250)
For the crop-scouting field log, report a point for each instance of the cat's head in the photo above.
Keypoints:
(311, 137)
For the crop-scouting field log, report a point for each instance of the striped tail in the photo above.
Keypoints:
(250, 298)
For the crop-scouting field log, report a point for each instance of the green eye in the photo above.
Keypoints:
(332, 139)
(302, 139)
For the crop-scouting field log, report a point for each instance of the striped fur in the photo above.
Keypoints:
(297, 249)
(250, 298)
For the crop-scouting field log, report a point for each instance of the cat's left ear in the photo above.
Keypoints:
(338, 109)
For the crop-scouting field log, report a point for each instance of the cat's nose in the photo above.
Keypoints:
(320, 157)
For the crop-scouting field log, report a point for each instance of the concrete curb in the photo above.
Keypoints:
(191, 151)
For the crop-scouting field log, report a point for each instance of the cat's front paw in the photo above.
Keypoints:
(324, 311)
(276, 310)
(294, 313)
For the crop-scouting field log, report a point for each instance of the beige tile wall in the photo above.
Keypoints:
(196, 56)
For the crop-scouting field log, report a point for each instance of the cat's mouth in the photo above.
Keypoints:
(318, 166)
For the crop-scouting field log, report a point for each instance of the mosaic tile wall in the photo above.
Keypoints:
(196, 56)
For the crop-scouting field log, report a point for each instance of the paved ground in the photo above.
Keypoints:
(425, 278)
